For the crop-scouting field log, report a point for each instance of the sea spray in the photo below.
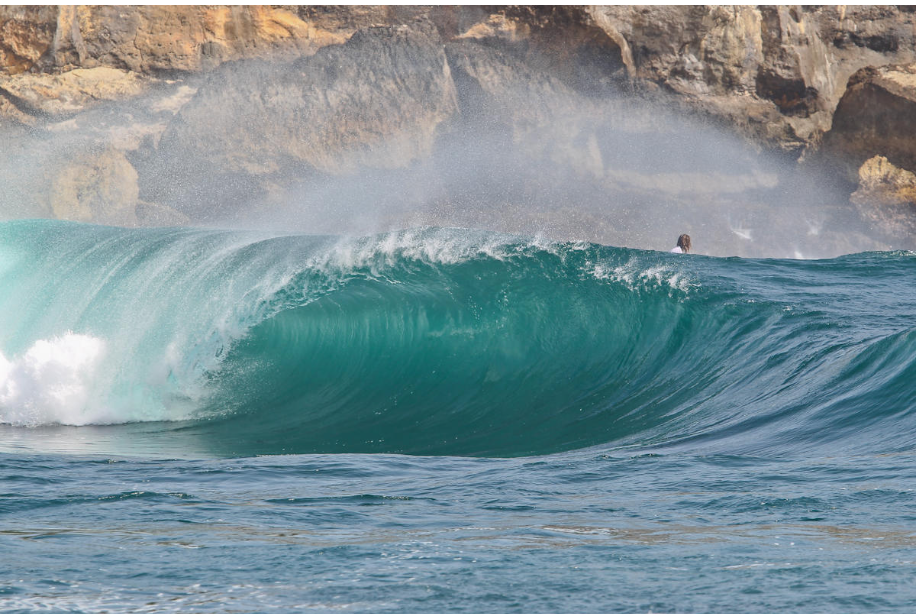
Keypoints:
(52, 383)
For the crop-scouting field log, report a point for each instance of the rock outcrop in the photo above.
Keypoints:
(886, 197)
(209, 111)
(876, 116)
(56, 96)
(776, 72)
(100, 187)
(375, 102)
(158, 39)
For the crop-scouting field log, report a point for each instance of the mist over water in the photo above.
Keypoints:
(620, 172)
(617, 169)
(613, 178)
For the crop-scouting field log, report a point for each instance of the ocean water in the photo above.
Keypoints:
(449, 420)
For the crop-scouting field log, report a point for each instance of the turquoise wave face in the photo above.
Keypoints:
(447, 341)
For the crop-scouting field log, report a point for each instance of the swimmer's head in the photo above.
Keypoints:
(684, 242)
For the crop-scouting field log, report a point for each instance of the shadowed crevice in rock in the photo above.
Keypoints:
(876, 115)
(23, 105)
(792, 96)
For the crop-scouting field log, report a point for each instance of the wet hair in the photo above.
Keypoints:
(685, 243)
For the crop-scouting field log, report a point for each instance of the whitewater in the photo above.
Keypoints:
(213, 420)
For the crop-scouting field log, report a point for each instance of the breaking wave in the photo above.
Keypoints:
(450, 341)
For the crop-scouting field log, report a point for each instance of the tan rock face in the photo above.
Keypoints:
(70, 92)
(789, 65)
(886, 196)
(694, 50)
(100, 188)
(375, 102)
(884, 183)
(26, 33)
(149, 39)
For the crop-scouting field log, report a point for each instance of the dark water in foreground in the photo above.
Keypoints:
(457, 420)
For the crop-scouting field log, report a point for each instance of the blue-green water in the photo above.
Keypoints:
(445, 419)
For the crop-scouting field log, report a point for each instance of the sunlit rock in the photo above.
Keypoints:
(775, 72)
(51, 96)
(26, 33)
(886, 197)
(153, 39)
(99, 188)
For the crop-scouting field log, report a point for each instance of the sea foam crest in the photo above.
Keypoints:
(636, 275)
(429, 245)
(51, 382)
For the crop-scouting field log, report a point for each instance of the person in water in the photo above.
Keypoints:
(683, 245)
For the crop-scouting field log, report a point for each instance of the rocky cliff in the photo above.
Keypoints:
(650, 119)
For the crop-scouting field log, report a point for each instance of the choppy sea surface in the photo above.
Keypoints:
(449, 420)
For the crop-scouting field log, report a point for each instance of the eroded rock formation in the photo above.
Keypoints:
(886, 196)
(98, 187)
(206, 109)
(875, 116)
(374, 102)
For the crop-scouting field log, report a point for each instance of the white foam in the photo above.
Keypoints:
(430, 245)
(636, 276)
(51, 383)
